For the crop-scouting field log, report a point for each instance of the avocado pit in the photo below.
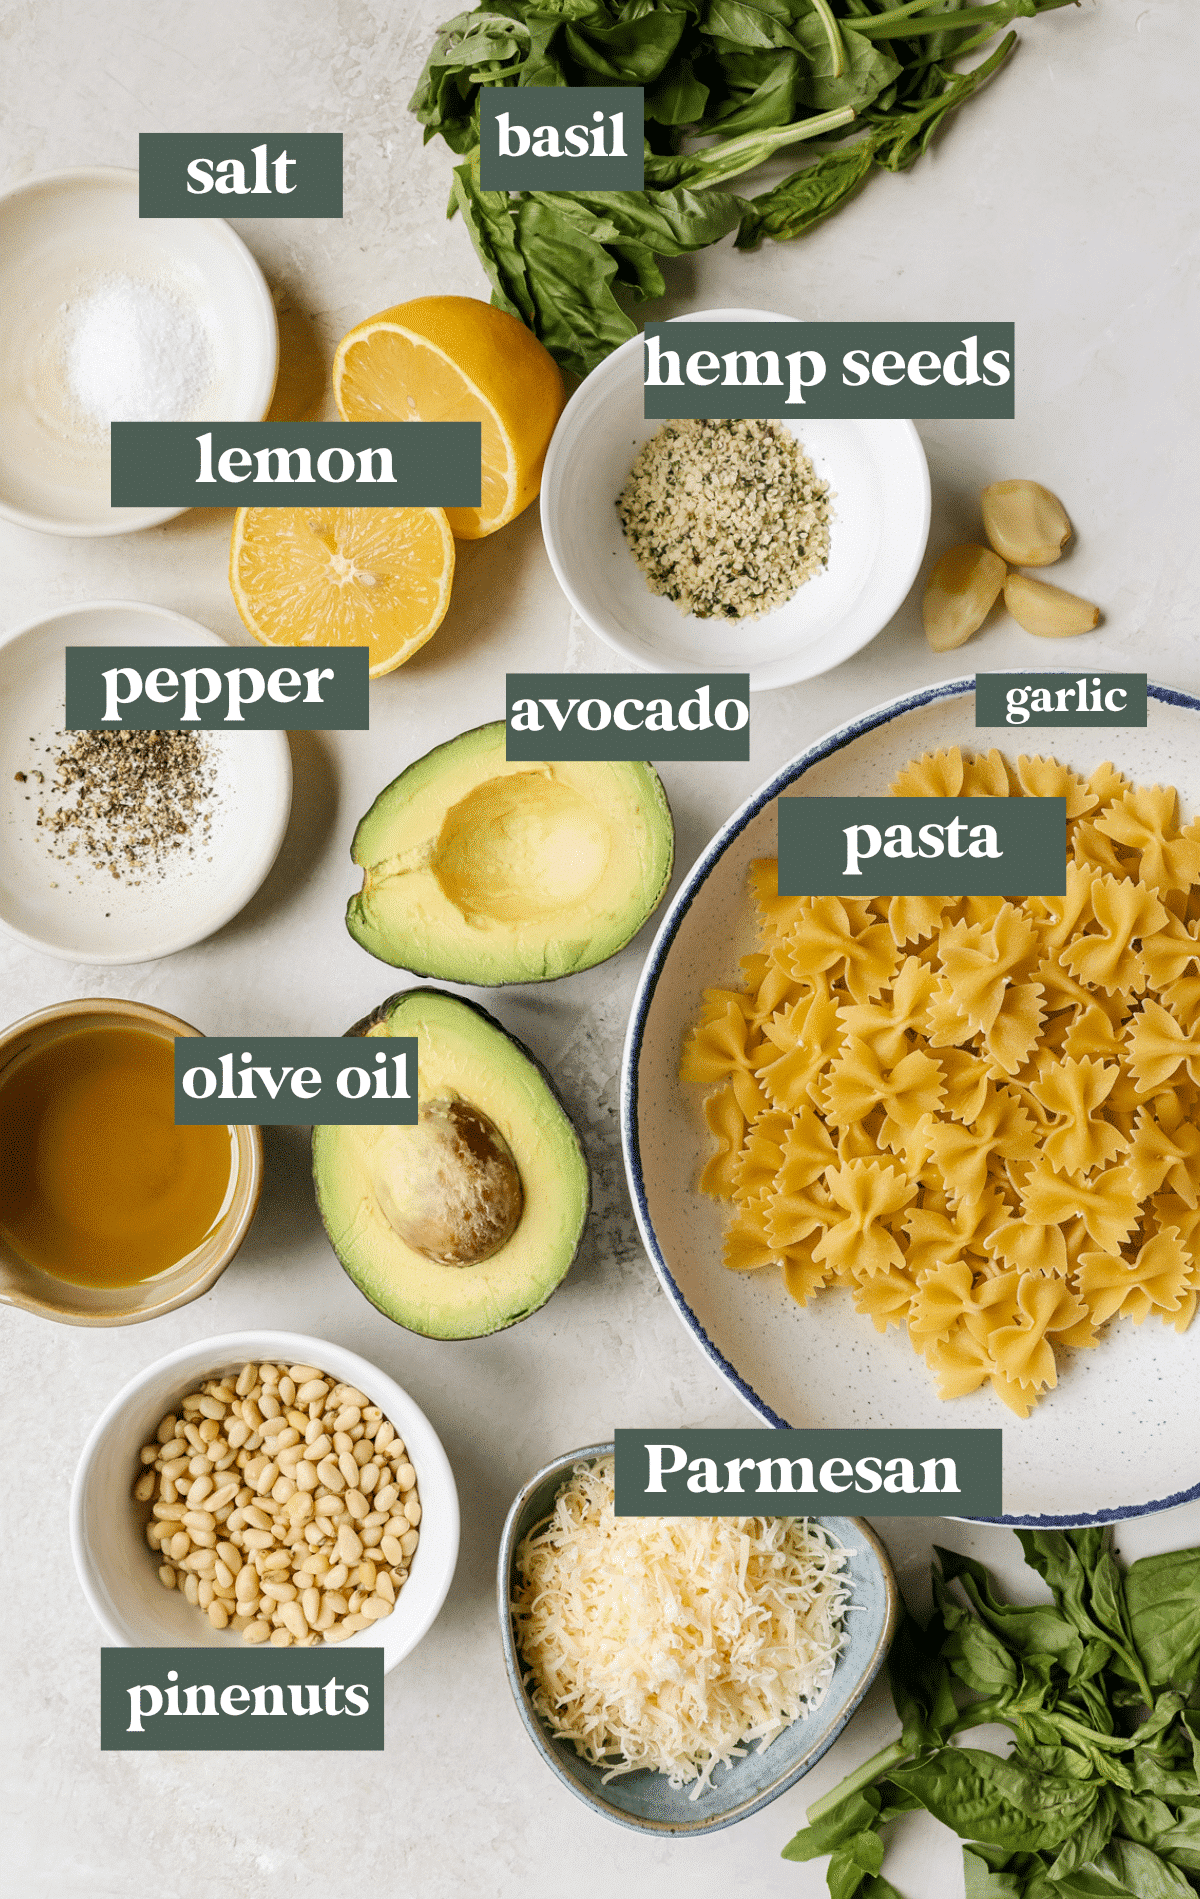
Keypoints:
(449, 1186)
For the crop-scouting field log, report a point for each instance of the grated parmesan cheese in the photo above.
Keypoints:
(671, 1643)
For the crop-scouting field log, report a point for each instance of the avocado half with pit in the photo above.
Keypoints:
(485, 872)
(467, 1221)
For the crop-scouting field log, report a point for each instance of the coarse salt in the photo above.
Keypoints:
(135, 352)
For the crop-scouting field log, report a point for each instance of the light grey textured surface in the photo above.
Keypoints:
(1058, 199)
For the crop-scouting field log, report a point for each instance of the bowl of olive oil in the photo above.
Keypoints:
(109, 1212)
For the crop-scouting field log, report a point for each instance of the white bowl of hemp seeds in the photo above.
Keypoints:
(774, 548)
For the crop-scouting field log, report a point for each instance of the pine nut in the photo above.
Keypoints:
(406, 1476)
(269, 1495)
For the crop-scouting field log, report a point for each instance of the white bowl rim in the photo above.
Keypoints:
(137, 518)
(780, 780)
(297, 1348)
(550, 488)
(272, 840)
(561, 1467)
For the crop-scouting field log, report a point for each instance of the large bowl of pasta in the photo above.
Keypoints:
(930, 1161)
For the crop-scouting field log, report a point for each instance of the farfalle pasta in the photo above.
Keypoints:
(980, 1116)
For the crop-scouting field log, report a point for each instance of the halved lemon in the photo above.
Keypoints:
(374, 577)
(454, 359)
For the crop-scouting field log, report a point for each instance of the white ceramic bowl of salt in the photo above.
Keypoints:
(108, 317)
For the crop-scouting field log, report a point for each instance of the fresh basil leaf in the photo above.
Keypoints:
(750, 25)
(764, 92)
(868, 70)
(809, 195)
(1163, 1594)
(488, 216)
(856, 1814)
(630, 52)
(980, 1658)
(1036, 1629)
(982, 1881)
(670, 222)
(1089, 1840)
(678, 97)
(1144, 1873)
(570, 279)
(920, 1683)
(1000, 1801)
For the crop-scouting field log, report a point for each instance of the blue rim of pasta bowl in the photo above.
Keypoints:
(877, 1592)
(787, 775)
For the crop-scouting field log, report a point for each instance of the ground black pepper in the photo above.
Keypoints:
(127, 800)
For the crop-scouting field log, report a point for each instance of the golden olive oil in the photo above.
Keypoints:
(97, 1184)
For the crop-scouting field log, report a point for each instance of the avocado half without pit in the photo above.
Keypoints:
(480, 871)
(468, 1220)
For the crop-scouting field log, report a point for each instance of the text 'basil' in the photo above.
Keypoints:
(295, 1080)
(922, 847)
(736, 1473)
(561, 138)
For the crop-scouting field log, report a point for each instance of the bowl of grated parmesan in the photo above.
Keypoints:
(677, 1674)
(774, 548)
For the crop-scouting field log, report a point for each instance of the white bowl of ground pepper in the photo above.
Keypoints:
(792, 543)
(106, 316)
(119, 847)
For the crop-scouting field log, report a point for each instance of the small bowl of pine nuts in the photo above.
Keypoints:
(264, 1487)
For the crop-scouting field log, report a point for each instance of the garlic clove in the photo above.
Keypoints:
(959, 595)
(1050, 612)
(1024, 522)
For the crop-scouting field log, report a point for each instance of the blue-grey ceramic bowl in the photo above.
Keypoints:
(645, 1800)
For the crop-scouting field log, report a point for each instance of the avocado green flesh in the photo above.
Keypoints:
(461, 1054)
(483, 872)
